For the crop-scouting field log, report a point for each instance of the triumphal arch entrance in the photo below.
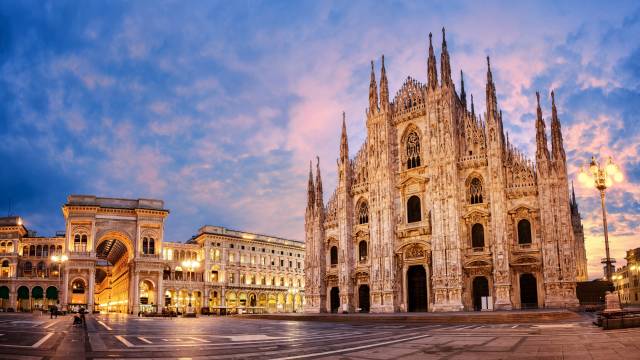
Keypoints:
(114, 248)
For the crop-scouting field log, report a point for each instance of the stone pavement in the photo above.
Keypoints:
(237, 337)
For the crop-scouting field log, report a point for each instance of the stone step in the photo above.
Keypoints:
(490, 317)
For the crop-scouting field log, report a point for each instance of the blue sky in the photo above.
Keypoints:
(217, 107)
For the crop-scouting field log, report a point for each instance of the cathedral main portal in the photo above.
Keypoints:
(417, 288)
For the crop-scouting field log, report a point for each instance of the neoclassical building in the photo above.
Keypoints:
(439, 211)
(116, 260)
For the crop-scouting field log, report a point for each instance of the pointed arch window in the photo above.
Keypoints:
(152, 246)
(363, 213)
(145, 245)
(524, 232)
(413, 150)
(414, 211)
(475, 191)
(477, 236)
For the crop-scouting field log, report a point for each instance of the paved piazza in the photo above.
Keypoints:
(25, 336)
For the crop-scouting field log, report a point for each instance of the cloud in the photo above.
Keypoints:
(217, 108)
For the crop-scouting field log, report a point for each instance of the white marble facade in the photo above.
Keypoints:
(438, 210)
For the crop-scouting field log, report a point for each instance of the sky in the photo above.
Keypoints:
(217, 107)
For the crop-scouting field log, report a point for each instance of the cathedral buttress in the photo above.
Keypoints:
(315, 266)
(496, 184)
(346, 257)
(382, 165)
(443, 112)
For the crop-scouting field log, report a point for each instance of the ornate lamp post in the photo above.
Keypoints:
(59, 260)
(602, 178)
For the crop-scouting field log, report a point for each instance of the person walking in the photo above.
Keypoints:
(82, 311)
(52, 311)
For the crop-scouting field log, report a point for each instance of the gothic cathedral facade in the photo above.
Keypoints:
(438, 211)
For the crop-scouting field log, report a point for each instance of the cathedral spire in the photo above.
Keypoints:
(344, 144)
(373, 92)
(311, 197)
(542, 152)
(319, 196)
(557, 148)
(463, 94)
(445, 66)
(432, 75)
(492, 103)
(384, 88)
(574, 204)
(473, 111)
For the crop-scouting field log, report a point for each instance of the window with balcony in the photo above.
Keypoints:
(80, 243)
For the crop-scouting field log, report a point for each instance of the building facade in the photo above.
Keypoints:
(116, 260)
(438, 211)
(626, 280)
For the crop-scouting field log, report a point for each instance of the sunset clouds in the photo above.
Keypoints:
(218, 107)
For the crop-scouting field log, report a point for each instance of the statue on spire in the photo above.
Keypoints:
(445, 66)
(319, 196)
(557, 148)
(344, 144)
(384, 88)
(463, 94)
(373, 92)
(311, 197)
(542, 152)
(432, 74)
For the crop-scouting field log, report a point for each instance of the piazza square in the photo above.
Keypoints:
(170, 190)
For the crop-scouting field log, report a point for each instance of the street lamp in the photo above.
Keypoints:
(59, 260)
(602, 178)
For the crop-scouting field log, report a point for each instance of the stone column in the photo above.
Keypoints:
(65, 289)
(136, 296)
(160, 296)
(92, 285)
(13, 298)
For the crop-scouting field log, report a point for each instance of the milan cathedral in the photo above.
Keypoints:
(438, 211)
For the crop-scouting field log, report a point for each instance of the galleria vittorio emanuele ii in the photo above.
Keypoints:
(113, 258)
(439, 211)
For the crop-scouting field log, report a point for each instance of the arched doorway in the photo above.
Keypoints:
(4, 297)
(37, 294)
(528, 291)
(147, 300)
(112, 280)
(51, 295)
(23, 299)
(335, 299)
(363, 298)
(480, 290)
(78, 294)
(417, 288)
